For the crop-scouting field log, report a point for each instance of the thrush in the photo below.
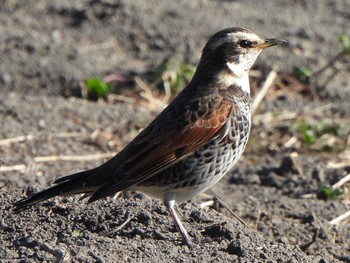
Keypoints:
(192, 143)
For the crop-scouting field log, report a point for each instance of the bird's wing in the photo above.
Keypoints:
(153, 151)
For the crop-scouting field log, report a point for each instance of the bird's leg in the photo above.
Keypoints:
(169, 202)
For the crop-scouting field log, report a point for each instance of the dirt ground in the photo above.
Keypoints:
(48, 49)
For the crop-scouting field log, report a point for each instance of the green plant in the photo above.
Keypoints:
(327, 192)
(302, 73)
(174, 75)
(312, 131)
(345, 41)
(97, 88)
(76, 233)
(305, 74)
(323, 135)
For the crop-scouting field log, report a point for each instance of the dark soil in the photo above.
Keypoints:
(48, 49)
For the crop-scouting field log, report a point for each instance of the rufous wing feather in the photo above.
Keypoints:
(174, 145)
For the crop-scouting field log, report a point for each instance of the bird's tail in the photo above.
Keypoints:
(68, 185)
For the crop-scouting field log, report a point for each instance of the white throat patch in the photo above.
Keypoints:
(236, 69)
(240, 76)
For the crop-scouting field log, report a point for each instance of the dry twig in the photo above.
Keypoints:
(19, 167)
(342, 181)
(59, 254)
(110, 233)
(267, 85)
(17, 139)
(231, 212)
(335, 221)
(296, 161)
(89, 157)
(148, 95)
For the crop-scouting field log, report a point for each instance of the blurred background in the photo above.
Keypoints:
(80, 79)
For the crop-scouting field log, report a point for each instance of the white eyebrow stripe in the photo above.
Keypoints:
(234, 37)
(243, 35)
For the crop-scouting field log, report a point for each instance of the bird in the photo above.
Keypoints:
(191, 144)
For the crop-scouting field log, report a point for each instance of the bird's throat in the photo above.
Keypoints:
(234, 75)
(236, 69)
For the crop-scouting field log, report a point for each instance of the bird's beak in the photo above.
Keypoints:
(271, 42)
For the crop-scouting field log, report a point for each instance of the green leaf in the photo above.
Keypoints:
(302, 73)
(323, 135)
(308, 133)
(76, 233)
(176, 74)
(188, 71)
(344, 40)
(327, 192)
(98, 87)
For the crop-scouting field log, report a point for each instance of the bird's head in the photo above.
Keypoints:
(232, 51)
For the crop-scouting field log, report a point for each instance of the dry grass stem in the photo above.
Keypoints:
(19, 167)
(110, 233)
(147, 94)
(66, 135)
(338, 165)
(297, 164)
(342, 181)
(89, 157)
(288, 144)
(121, 98)
(265, 88)
(340, 218)
(207, 203)
(232, 213)
(17, 139)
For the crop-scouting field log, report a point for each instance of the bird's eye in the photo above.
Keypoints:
(245, 43)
